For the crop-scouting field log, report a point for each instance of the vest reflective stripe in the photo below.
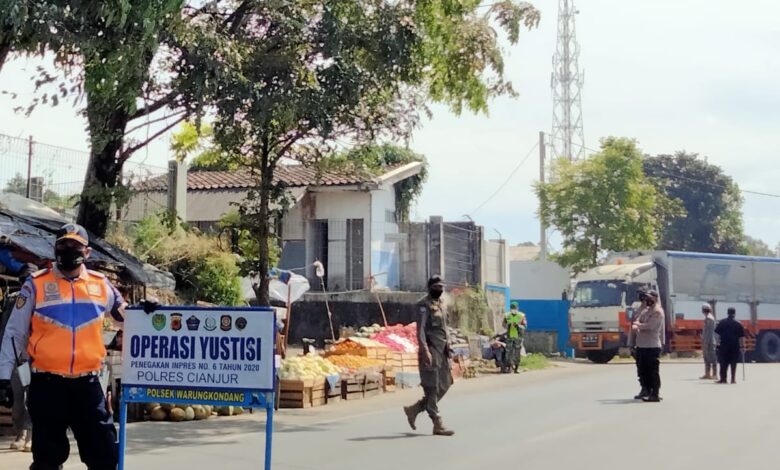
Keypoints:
(66, 334)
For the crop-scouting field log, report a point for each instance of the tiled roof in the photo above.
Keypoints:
(292, 175)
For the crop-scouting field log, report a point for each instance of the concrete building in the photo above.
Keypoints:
(345, 219)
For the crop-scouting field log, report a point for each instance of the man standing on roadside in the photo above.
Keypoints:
(708, 344)
(638, 308)
(433, 357)
(732, 341)
(515, 324)
(649, 328)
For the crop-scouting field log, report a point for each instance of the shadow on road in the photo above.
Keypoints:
(621, 401)
(406, 435)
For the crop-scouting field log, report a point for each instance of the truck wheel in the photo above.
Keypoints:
(769, 347)
(602, 357)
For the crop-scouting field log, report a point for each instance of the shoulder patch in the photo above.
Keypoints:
(96, 274)
(20, 301)
(40, 273)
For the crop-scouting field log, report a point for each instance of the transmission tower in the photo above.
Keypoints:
(567, 139)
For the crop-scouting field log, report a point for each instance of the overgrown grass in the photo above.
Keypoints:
(535, 361)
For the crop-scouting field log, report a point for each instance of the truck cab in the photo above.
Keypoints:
(601, 304)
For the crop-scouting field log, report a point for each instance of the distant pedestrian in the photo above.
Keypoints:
(708, 344)
(433, 357)
(732, 342)
(638, 308)
(515, 324)
(649, 329)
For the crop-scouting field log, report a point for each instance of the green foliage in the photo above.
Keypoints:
(756, 247)
(535, 361)
(711, 221)
(377, 159)
(217, 280)
(16, 185)
(197, 146)
(469, 310)
(602, 204)
(236, 235)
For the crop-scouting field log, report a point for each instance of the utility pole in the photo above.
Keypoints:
(567, 138)
(29, 167)
(542, 225)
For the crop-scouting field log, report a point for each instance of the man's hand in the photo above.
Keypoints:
(149, 305)
(27, 270)
(427, 359)
(6, 394)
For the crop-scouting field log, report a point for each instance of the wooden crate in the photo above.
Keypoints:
(333, 394)
(373, 386)
(353, 388)
(302, 393)
(388, 379)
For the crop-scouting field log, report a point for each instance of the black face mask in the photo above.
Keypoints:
(436, 292)
(69, 259)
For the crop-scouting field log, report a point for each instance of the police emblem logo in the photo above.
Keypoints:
(51, 292)
(176, 321)
(240, 323)
(20, 301)
(158, 321)
(225, 322)
(210, 324)
(193, 323)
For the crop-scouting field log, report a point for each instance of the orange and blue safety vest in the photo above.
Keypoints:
(63, 319)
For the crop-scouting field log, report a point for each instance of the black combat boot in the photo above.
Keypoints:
(411, 414)
(644, 393)
(439, 429)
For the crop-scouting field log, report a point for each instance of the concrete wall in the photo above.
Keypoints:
(537, 280)
(309, 317)
(414, 257)
(495, 265)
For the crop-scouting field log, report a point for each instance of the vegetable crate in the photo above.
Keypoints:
(388, 379)
(353, 388)
(333, 393)
(402, 361)
(302, 393)
(373, 385)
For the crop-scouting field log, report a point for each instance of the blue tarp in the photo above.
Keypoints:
(548, 315)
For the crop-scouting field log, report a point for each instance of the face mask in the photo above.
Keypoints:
(436, 292)
(69, 259)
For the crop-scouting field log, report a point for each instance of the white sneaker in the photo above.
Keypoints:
(18, 443)
(28, 443)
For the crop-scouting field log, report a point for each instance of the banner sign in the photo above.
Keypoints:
(191, 355)
(202, 349)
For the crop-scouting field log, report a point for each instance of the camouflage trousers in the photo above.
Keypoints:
(514, 346)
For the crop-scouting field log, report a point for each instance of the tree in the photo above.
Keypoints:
(197, 146)
(601, 204)
(16, 185)
(757, 247)
(104, 51)
(304, 75)
(712, 220)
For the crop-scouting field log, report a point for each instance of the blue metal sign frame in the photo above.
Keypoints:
(260, 399)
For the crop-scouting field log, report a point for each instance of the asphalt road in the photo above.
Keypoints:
(577, 416)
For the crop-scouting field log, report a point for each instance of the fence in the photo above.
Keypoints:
(53, 175)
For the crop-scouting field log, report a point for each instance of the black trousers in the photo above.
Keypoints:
(58, 403)
(728, 358)
(639, 377)
(648, 362)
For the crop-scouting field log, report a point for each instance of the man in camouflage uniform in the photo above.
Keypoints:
(433, 357)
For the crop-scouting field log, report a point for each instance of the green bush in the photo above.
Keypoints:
(216, 280)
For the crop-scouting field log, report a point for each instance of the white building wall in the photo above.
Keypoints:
(537, 280)
(384, 239)
(202, 206)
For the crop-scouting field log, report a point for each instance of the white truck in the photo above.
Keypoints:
(599, 315)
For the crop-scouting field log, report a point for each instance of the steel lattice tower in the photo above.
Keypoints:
(567, 139)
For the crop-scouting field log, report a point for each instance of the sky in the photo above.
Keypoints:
(694, 75)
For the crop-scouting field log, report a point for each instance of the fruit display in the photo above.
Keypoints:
(310, 366)
(350, 362)
(368, 331)
(177, 413)
(398, 338)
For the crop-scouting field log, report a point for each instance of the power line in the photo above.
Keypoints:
(699, 181)
(507, 180)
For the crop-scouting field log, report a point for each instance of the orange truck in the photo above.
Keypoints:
(601, 306)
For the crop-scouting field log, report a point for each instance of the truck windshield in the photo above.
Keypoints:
(598, 294)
